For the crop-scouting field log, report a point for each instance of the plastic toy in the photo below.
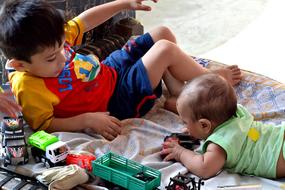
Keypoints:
(14, 181)
(109, 185)
(126, 173)
(184, 140)
(48, 149)
(183, 182)
(14, 147)
(84, 161)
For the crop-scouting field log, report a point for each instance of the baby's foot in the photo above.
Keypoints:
(231, 73)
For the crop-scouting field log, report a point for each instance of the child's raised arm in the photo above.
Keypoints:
(99, 14)
(203, 165)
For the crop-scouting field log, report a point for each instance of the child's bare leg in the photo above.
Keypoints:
(230, 73)
(165, 55)
(162, 33)
(165, 52)
(170, 104)
(173, 85)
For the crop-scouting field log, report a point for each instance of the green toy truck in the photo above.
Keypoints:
(126, 173)
(48, 149)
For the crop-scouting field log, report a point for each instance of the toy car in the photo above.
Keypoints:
(14, 147)
(84, 161)
(184, 140)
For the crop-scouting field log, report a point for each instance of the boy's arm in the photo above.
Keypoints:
(8, 105)
(100, 122)
(204, 165)
(99, 14)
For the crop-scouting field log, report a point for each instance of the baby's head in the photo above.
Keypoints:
(206, 102)
(32, 36)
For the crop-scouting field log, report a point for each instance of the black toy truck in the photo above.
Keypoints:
(14, 146)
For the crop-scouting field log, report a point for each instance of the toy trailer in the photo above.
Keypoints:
(48, 149)
(126, 173)
(14, 147)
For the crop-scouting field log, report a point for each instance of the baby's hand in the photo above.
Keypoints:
(172, 150)
(104, 124)
(8, 105)
(136, 4)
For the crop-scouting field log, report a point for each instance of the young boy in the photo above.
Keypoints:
(60, 90)
(7, 105)
(233, 140)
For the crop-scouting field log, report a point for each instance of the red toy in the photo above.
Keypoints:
(84, 161)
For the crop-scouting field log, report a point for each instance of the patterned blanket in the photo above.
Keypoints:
(141, 138)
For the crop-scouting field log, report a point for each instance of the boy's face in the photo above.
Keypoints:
(47, 63)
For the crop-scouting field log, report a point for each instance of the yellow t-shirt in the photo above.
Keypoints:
(74, 30)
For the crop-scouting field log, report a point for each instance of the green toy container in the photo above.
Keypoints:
(41, 139)
(124, 172)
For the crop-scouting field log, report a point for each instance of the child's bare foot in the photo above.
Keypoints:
(231, 73)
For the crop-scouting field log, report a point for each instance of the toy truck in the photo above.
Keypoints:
(48, 149)
(125, 172)
(14, 147)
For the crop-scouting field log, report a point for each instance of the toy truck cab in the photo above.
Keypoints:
(14, 147)
(57, 152)
(48, 149)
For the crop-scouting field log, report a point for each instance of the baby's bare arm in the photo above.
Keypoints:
(204, 165)
(100, 122)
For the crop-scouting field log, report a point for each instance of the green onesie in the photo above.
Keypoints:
(251, 146)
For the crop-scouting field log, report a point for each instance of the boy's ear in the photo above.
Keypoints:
(206, 125)
(16, 64)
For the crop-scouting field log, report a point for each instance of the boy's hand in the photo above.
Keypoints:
(104, 124)
(136, 4)
(172, 150)
(8, 105)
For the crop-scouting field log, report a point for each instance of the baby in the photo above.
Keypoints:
(233, 140)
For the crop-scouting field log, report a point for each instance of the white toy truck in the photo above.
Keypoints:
(48, 149)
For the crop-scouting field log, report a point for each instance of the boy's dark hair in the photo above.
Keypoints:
(28, 26)
(211, 97)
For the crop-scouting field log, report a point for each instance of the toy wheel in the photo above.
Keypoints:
(37, 159)
(47, 164)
